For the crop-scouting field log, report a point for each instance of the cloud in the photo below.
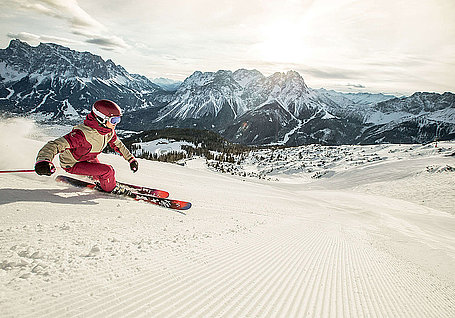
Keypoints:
(355, 85)
(329, 72)
(34, 38)
(81, 23)
(40, 8)
(68, 10)
(110, 42)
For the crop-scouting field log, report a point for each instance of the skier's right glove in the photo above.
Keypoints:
(134, 165)
(44, 168)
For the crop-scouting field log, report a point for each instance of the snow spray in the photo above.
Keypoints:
(18, 149)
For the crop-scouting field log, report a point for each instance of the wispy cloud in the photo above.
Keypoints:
(68, 10)
(356, 85)
(330, 72)
(30, 37)
(108, 42)
(81, 23)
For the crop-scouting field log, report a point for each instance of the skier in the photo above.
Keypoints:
(79, 148)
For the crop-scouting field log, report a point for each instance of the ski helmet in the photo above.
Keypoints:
(105, 109)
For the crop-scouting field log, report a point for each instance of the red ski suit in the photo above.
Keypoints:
(79, 150)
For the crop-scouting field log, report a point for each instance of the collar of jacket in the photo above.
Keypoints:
(91, 121)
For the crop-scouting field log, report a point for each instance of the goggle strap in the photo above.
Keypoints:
(100, 114)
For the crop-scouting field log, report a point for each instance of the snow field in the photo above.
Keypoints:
(351, 245)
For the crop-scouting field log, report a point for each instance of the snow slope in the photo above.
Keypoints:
(247, 247)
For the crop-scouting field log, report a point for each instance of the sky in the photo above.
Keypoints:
(388, 46)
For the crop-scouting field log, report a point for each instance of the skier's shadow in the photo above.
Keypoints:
(45, 195)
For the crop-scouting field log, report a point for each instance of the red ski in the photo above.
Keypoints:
(160, 201)
(144, 190)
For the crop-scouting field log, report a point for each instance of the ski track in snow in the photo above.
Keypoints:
(245, 249)
(302, 270)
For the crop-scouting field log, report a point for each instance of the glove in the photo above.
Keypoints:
(44, 168)
(134, 165)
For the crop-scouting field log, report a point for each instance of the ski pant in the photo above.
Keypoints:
(104, 173)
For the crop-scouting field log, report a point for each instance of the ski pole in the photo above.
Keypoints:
(14, 171)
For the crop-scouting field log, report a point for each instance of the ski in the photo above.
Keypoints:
(163, 202)
(144, 190)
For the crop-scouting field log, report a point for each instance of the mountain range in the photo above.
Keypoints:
(54, 83)
(167, 84)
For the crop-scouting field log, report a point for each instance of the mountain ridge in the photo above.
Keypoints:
(53, 82)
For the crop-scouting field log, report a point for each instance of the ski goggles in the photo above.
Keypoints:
(114, 120)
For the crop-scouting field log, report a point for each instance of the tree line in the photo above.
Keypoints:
(208, 144)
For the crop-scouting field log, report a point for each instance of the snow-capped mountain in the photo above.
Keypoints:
(248, 107)
(348, 99)
(167, 83)
(208, 99)
(354, 105)
(232, 94)
(418, 105)
(54, 82)
(421, 117)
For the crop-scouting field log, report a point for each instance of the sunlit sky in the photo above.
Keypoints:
(389, 46)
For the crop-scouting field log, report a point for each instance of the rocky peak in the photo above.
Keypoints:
(208, 80)
(290, 81)
(16, 44)
(246, 77)
(58, 61)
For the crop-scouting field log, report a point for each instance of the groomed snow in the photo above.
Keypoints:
(356, 244)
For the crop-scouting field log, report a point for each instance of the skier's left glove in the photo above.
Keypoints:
(44, 167)
(134, 165)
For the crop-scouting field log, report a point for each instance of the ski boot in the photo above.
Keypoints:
(121, 190)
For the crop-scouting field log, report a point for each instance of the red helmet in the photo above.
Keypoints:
(104, 109)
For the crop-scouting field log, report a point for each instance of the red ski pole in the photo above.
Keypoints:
(14, 171)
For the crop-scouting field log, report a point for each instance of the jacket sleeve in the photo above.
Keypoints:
(120, 148)
(52, 148)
